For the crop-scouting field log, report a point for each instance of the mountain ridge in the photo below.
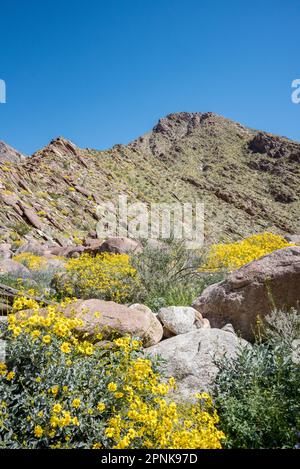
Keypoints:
(247, 179)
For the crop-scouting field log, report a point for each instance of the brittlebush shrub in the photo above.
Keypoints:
(232, 256)
(59, 392)
(43, 271)
(30, 260)
(105, 276)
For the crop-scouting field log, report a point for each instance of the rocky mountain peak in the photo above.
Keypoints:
(59, 146)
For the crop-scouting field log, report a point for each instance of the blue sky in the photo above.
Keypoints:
(103, 72)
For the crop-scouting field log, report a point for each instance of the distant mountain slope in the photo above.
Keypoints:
(249, 180)
(8, 153)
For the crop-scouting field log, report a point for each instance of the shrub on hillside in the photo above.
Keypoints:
(231, 256)
(30, 260)
(258, 394)
(58, 392)
(42, 272)
(105, 276)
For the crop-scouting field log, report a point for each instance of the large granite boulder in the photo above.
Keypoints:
(180, 320)
(191, 358)
(8, 266)
(105, 317)
(271, 282)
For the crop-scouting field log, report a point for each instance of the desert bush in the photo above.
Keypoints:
(59, 392)
(30, 260)
(105, 276)
(21, 228)
(169, 275)
(257, 394)
(41, 274)
(231, 256)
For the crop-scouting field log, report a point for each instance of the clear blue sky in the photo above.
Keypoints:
(101, 72)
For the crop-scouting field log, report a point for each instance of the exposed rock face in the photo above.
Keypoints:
(59, 147)
(293, 239)
(180, 320)
(275, 147)
(9, 266)
(120, 245)
(253, 291)
(155, 331)
(190, 358)
(107, 316)
(31, 216)
(9, 154)
(34, 248)
(67, 251)
(5, 251)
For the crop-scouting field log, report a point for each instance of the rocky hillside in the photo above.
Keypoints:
(8, 154)
(249, 180)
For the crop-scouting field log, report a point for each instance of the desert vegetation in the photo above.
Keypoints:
(71, 380)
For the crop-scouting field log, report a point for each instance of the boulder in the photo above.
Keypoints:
(5, 252)
(180, 320)
(107, 317)
(271, 282)
(34, 248)
(155, 329)
(228, 328)
(191, 358)
(9, 266)
(75, 251)
(31, 215)
(93, 246)
(120, 245)
(67, 251)
(294, 239)
(177, 319)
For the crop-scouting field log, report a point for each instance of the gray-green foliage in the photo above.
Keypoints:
(258, 393)
(169, 274)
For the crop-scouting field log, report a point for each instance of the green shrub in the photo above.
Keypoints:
(258, 393)
(169, 275)
(21, 228)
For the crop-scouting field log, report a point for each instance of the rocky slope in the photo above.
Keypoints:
(249, 180)
(9, 154)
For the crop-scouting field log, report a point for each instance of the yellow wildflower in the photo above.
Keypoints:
(38, 431)
(76, 403)
(112, 387)
(57, 408)
(10, 376)
(101, 406)
(65, 347)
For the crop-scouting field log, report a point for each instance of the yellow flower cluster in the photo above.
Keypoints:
(32, 261)
(234, 255)
(46, 323)
(107, 276)
(128, 401)
(150, 420)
